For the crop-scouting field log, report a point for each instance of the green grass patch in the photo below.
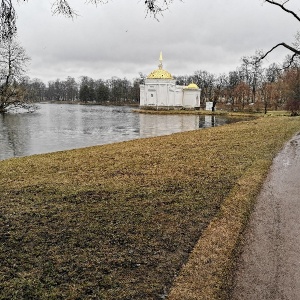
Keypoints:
(122, 221)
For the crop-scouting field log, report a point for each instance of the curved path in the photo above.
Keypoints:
(269, 267)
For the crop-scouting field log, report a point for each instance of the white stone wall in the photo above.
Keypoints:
(157, 92)
(165, 93)
(178, 95)
(151, 91)
(191, 98)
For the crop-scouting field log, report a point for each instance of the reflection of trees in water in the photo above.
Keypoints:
(157, 125)
(13, 135)
(213, 121)
(208, 121)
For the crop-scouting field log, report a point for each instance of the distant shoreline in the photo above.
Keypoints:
(91, 103)
(175, 112)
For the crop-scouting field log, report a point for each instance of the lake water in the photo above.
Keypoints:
(56, 127)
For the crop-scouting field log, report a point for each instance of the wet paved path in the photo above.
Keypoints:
(269, 267)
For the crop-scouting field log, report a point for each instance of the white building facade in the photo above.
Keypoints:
(161, 92)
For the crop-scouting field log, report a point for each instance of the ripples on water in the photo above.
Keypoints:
(56, 127)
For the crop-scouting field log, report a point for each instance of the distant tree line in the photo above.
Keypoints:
(86, 90)
(249, 87)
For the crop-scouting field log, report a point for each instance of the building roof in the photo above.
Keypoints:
(192, 86)
(160, 73)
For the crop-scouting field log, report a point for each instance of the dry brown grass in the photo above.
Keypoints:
(198, 112)
(209, 271)
(119, 221)
(218, 112)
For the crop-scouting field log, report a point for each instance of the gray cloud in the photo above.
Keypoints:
(117, 40)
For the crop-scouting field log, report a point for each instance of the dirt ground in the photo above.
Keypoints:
(269, 267)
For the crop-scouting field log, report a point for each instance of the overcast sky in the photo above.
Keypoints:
(117, 39)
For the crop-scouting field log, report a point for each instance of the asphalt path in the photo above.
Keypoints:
(269, 267)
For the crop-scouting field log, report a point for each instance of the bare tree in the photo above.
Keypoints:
(13, 60)
(7, 20)
(220, 84)
(295, 49)
(34, 89)
(205, 82)
(252, 73)
(292, 91)
(272, 73)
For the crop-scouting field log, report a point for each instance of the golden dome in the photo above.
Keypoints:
(192, 86)
(160, 74)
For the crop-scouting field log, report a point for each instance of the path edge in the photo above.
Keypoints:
(208, 273)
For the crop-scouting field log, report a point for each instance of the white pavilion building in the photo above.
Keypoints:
(161, 92)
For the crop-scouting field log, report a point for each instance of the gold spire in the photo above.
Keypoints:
(160, 56)
(160, 73)
(160, 61)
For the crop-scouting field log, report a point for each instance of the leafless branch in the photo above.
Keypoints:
(97, 1)
(292, 58)
(154, 8)
(290, 62)
(62, 7)
(296, 51)
(281, 5)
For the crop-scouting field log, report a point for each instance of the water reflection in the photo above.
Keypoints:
(57, 127)
(155, 125)
(14, 135)
(212, 121)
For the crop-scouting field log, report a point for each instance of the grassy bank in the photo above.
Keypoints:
(215, 113)
(196, 112)
(122, 221)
